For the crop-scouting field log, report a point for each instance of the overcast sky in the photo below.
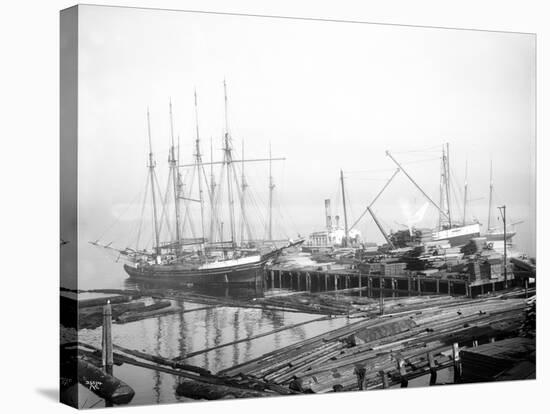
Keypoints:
(328, 96)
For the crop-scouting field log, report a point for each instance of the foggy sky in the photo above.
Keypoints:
(328, 96)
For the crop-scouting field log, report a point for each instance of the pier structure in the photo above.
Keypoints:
(406, 284)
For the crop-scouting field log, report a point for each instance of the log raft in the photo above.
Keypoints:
(410, 341)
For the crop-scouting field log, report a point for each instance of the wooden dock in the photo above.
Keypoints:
(407, 284)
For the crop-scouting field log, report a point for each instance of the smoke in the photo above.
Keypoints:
(412, 218)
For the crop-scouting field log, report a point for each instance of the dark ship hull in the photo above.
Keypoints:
(236, 274)
(249, 273)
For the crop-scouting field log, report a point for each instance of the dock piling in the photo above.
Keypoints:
(456, 363)
(433, 368)
(107, 340)
(384, 378)
(402, 372)
(381, 296)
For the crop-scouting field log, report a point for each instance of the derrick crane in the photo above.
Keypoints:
(369, 209)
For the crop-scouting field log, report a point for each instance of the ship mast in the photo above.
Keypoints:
(243, 190)
(198, 160)
(490, 197)
(345, 242)
(465, 194)
(212, 190)
(447, 184)
(174, 175)
(228, 161)
(271, 188)
(444, 198)
(151, 166)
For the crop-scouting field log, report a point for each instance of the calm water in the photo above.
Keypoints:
(175, 335)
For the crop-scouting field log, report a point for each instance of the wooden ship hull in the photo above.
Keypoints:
(249, 273)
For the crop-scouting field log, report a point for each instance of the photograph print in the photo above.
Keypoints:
(264, 206)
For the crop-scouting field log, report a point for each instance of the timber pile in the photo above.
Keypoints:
(486, 362)
(409, 334)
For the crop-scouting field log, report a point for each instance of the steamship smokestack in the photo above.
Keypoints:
(328, 214)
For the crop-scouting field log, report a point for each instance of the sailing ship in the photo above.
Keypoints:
(210, 258)
(454, 233)
(495, 233)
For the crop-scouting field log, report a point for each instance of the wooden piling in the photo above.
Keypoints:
(369, 286)
(456, 363)
(419, 283)
(280, 284)
(433, 368)
(360, 372)
(360, 285)
(107, 340)
(384, 378)
(381, 296)
(402, 372)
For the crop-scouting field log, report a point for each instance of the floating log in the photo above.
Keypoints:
(157, 309)
(201, 390)
(102, 384)
(411, 328)
(86, 303)
(163, 361)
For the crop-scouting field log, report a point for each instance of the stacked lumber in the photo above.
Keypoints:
(424, 235)
(392, 269)
(474, 270)
(372, 267)
(486, 362)
(407, 334)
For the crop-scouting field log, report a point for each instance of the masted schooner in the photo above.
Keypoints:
(210, 258)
